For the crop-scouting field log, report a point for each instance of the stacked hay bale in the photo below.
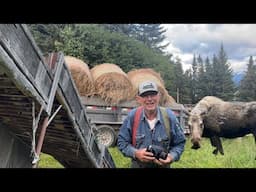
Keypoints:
(81, 75)
(170, 100)
(138, 76)
(111, 83)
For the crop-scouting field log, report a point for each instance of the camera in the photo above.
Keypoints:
(158, 152)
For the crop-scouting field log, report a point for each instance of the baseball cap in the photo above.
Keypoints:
(147, 86)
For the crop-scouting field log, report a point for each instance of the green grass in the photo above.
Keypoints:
(119, 159)
(47, 161)
(239, 153)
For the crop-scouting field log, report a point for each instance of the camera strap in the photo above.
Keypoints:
(137, 120)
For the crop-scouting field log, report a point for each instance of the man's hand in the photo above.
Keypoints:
(144, 156)
(162, 162)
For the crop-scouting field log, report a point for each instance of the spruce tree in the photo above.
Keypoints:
(226, 85)
(179, 80)
(248, 83)
(194, 80)
(209, 77)
(201, 83)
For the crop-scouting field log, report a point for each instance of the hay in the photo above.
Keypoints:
(111, 83)
(81, 75)
(154, 73)
(138, 76)
(170, 100)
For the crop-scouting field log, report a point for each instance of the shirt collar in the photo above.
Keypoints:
(157, 116)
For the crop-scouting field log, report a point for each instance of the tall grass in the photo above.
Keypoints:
(238, 153)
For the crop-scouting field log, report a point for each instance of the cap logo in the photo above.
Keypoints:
(148, 86)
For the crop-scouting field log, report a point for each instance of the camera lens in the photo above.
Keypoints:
(157, 151)
(163, 155)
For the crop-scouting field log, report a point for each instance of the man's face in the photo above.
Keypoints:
(149, 100)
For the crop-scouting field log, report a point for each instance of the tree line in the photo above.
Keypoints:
(134, 46)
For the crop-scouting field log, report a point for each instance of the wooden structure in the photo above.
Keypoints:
(40, 104)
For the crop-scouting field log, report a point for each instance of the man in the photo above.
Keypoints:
(151, 131)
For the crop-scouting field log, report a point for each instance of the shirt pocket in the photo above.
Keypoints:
(139, 140)
(164, 141)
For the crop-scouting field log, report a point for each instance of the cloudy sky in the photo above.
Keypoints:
(239, 42)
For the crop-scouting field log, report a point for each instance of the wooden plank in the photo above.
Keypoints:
(22, 62)
(83, 139)
(84, 127)
(44, 83)
(22, 53)
(13, 152)
(55, 82)
(21, 82)
(33, 43)
(72, 100)
(17, 47)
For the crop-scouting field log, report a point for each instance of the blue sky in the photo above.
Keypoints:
(239, 42)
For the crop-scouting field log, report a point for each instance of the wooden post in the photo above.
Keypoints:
(41, 139)
(178, 96)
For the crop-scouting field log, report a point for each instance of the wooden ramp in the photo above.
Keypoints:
(40, 104)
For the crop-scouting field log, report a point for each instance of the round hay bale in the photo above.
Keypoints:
(81, 75)
(138, 76)
(154, 73)
(111, 83)
(170, 100)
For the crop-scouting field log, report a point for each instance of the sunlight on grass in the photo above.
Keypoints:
(47, 161)
(119, 159)
(239, 153)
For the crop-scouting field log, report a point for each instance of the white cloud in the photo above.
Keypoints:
(203, 45)
(238, 66)
(186, 60)
(205, 39)
(173, 50)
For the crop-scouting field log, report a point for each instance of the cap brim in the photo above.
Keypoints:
(145, 93)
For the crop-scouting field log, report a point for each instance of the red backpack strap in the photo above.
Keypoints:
(136, 122)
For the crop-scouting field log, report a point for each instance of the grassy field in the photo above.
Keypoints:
(239, 153)
(47, 161)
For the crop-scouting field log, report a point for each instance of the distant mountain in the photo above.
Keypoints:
(237, 77)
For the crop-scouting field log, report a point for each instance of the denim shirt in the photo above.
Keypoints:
(146, 137)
